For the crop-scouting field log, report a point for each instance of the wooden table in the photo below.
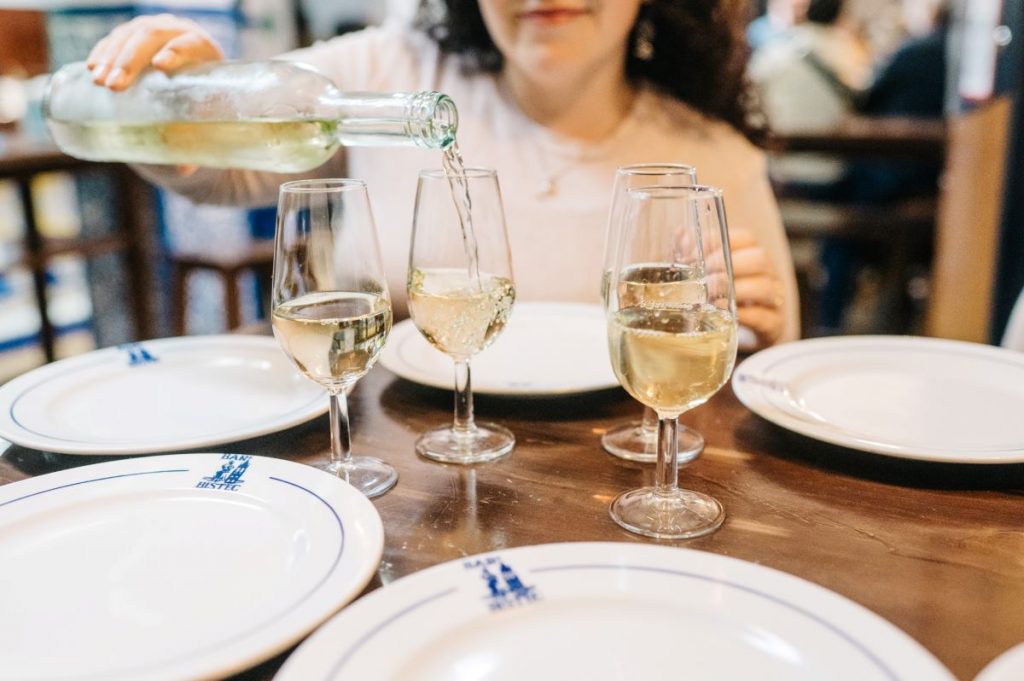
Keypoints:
(936, 549)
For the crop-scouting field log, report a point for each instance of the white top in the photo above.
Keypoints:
(557, 239)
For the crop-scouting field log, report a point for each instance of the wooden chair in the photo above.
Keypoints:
(895, 230)
(970, 218)
(259, 259)
(23, 157)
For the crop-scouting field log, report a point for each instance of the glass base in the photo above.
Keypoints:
(633, 443)
(367, 474)
(677, 514)
(487, 442)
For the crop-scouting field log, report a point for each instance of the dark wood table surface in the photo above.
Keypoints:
(936, 549)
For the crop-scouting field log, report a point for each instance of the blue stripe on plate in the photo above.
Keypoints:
(83, 482)
(104, 357)
(347, 655)
(248, 632)
(742, 587)
(351, 651)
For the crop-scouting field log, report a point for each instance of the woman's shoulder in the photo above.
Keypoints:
(376, 58)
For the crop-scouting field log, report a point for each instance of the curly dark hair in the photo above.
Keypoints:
(699, 57)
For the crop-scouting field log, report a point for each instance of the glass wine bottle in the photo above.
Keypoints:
(275, 115)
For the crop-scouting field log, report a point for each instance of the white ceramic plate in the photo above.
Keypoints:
(602, 612)
(188, 566)
(191, 392)
(546, 349)
(907, 397)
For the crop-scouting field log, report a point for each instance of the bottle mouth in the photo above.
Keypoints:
(436, 120)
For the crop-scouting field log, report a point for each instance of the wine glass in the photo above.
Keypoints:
(637, 440)
(672, 338)
(460, 295)
(331, 308)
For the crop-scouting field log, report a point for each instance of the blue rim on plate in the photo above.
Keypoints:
(926, 399)
(310, 531)
(592, 610)
(139, 398)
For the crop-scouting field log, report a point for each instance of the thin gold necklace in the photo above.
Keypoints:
(547, 187)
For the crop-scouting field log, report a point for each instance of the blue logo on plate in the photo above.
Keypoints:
(504, 588)
(137, 354)
(229, 477)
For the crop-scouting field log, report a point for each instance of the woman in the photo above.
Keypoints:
(555, 94)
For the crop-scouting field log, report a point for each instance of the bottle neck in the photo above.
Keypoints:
(422, 119)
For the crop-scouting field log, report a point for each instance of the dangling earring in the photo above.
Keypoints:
(644, 47)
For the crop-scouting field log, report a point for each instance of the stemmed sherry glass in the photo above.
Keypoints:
(331, 308)
(638, 440)
(460, 296)
(672, 338)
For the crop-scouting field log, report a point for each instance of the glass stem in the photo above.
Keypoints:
(463, 399)
(341, 437)
(667, 473)
(649, 425)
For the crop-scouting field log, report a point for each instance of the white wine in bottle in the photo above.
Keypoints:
(276, 115)
(283, 146)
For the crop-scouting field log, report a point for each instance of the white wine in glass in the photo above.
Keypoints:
(331, 308)
(459, 314)
(638, 440)
(333, 337)
(671, 338)
(460, 291)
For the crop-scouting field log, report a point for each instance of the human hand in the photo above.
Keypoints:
(164, 40)
(759, 292)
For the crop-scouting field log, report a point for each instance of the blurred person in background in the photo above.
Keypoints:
(553, 94)
(807, 80)
(911, 83)
(779, 17)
